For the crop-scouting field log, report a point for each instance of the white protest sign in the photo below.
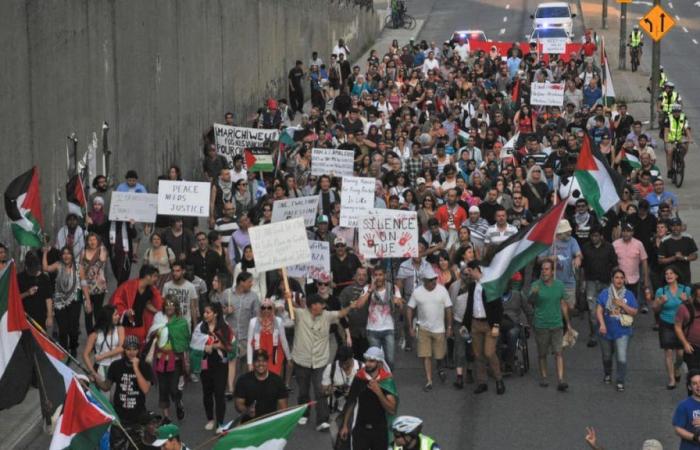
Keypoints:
(126, 206)
(231, 141)
(554, 46)
(386, 233)
(547, 94)
(332, 161)
(290, 208)
(183, 198)
(319, 265)
(279, 244)
(356, 199)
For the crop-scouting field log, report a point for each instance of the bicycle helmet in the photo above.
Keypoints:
(669, 84)
(407, 425)
(676, 108)
(636, 27)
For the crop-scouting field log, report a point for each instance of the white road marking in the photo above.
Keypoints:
(670, 5)
(685, 30)
(505, 19)
(502, 31)
(678, 17)
(695, 41)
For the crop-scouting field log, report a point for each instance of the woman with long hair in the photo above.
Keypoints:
(66, 298)
(446, 275)
(266, 332)
(161, 257)
(426, 212)
(666, 302)
(104, 342)
(93, 281)
(247, 264)
(615, 309)
(172, 334)
(217, 337)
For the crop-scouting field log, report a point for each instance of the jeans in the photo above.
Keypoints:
(593, 290)
(619, 348)
(385, 340)
(307, 378)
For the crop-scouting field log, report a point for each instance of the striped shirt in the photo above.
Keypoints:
(225, 229)
(495, 235)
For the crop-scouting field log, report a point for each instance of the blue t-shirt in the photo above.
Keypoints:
(565, 252)
(668, 311)
(612, 318)
(686, 411)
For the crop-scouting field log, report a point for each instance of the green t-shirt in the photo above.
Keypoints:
(548, 303)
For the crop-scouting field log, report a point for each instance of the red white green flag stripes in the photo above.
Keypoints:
(517, 251)
(15, 357)
(23, 207)
(82, 424)
(599, 183)
(269, 433)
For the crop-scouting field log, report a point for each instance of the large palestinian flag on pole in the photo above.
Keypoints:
(267, 433)
(82, 424)
(15, 341)
(518, 250)
(23, 207)
(600, 184)
(75, 195)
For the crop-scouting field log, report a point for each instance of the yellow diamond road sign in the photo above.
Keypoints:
(657, 22)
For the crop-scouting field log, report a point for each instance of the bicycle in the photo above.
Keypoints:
(404, 20)
(634, 57)
(677, 164)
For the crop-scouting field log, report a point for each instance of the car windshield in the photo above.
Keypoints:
(549, 13)
(549, 33)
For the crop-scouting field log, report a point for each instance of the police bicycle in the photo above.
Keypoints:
(400, 18)
(678, 163)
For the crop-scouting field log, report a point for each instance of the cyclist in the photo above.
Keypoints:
(668, 98)
(675, 129)
(407, 435)
(636, 44)
(398, 8)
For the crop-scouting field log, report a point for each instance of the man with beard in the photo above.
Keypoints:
(99, 183)
(183, 292)
(221, 193)
(137, 301)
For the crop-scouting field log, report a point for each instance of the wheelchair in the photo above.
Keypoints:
(521, 356)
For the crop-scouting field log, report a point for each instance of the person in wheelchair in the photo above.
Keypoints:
(516, 313)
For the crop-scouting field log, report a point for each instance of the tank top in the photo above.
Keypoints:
(106, 344)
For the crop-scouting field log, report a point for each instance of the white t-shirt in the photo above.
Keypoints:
(478, 312)
(379, 318)
(430, 307)
(430, 65)
(183, 293)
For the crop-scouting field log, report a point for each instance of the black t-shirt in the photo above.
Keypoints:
(265, 393)
(344, 271)
(515, 218)
(295, 76)
(370, 410)
(488, 211)
(35, 305)
(686, 246)
(128, 400)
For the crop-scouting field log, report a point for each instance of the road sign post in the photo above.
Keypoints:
(605, 15)
(656, 23)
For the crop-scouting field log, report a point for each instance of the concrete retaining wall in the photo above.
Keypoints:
(158, 71)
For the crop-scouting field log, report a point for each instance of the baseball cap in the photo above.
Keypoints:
(676, 221)
(164, 433)
(340, 241)
(322, 219)
(428, 273)
(131, 341)
(420, 180)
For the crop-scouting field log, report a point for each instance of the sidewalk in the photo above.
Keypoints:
(632, 88)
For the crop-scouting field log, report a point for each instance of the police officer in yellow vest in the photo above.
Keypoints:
(675, 129)
(663, 78)
(636, 41)
(668, 98)
(407, 435)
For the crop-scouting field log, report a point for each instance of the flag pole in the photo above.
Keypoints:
(38, 327)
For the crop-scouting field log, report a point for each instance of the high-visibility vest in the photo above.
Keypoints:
(662, 79)
(667, 101)
(426, 443)
(675, 128)
(636, 38)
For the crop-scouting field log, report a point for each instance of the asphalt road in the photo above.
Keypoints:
(528, 416)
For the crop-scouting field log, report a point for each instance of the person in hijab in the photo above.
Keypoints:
(266, 331)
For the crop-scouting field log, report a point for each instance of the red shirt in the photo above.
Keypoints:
(457, 214)
(589, 48)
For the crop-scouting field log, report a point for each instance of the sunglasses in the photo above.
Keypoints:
(322, 284)
(339, 245)
(263, 308)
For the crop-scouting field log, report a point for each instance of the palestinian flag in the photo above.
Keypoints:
(631, 160)
(268, 433)
(15, 340)
(463, 135)
(386, 382)
(51, 376)
(75, 195)
(518, 250)
(23, 207)
(46, 343)
(607, 87)
(82, 424)
(599, 184)
(258, 159)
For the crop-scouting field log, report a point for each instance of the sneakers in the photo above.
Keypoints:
(480, 389)
(620, 387)
(303, 420)
(645, 309)
(220, 429)
(428, 386)
(500, 387)
(209, 426)
(591, 343)
(562, 386)
(194, 378)
(325, 426)
(607, 379)
(229, 396)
